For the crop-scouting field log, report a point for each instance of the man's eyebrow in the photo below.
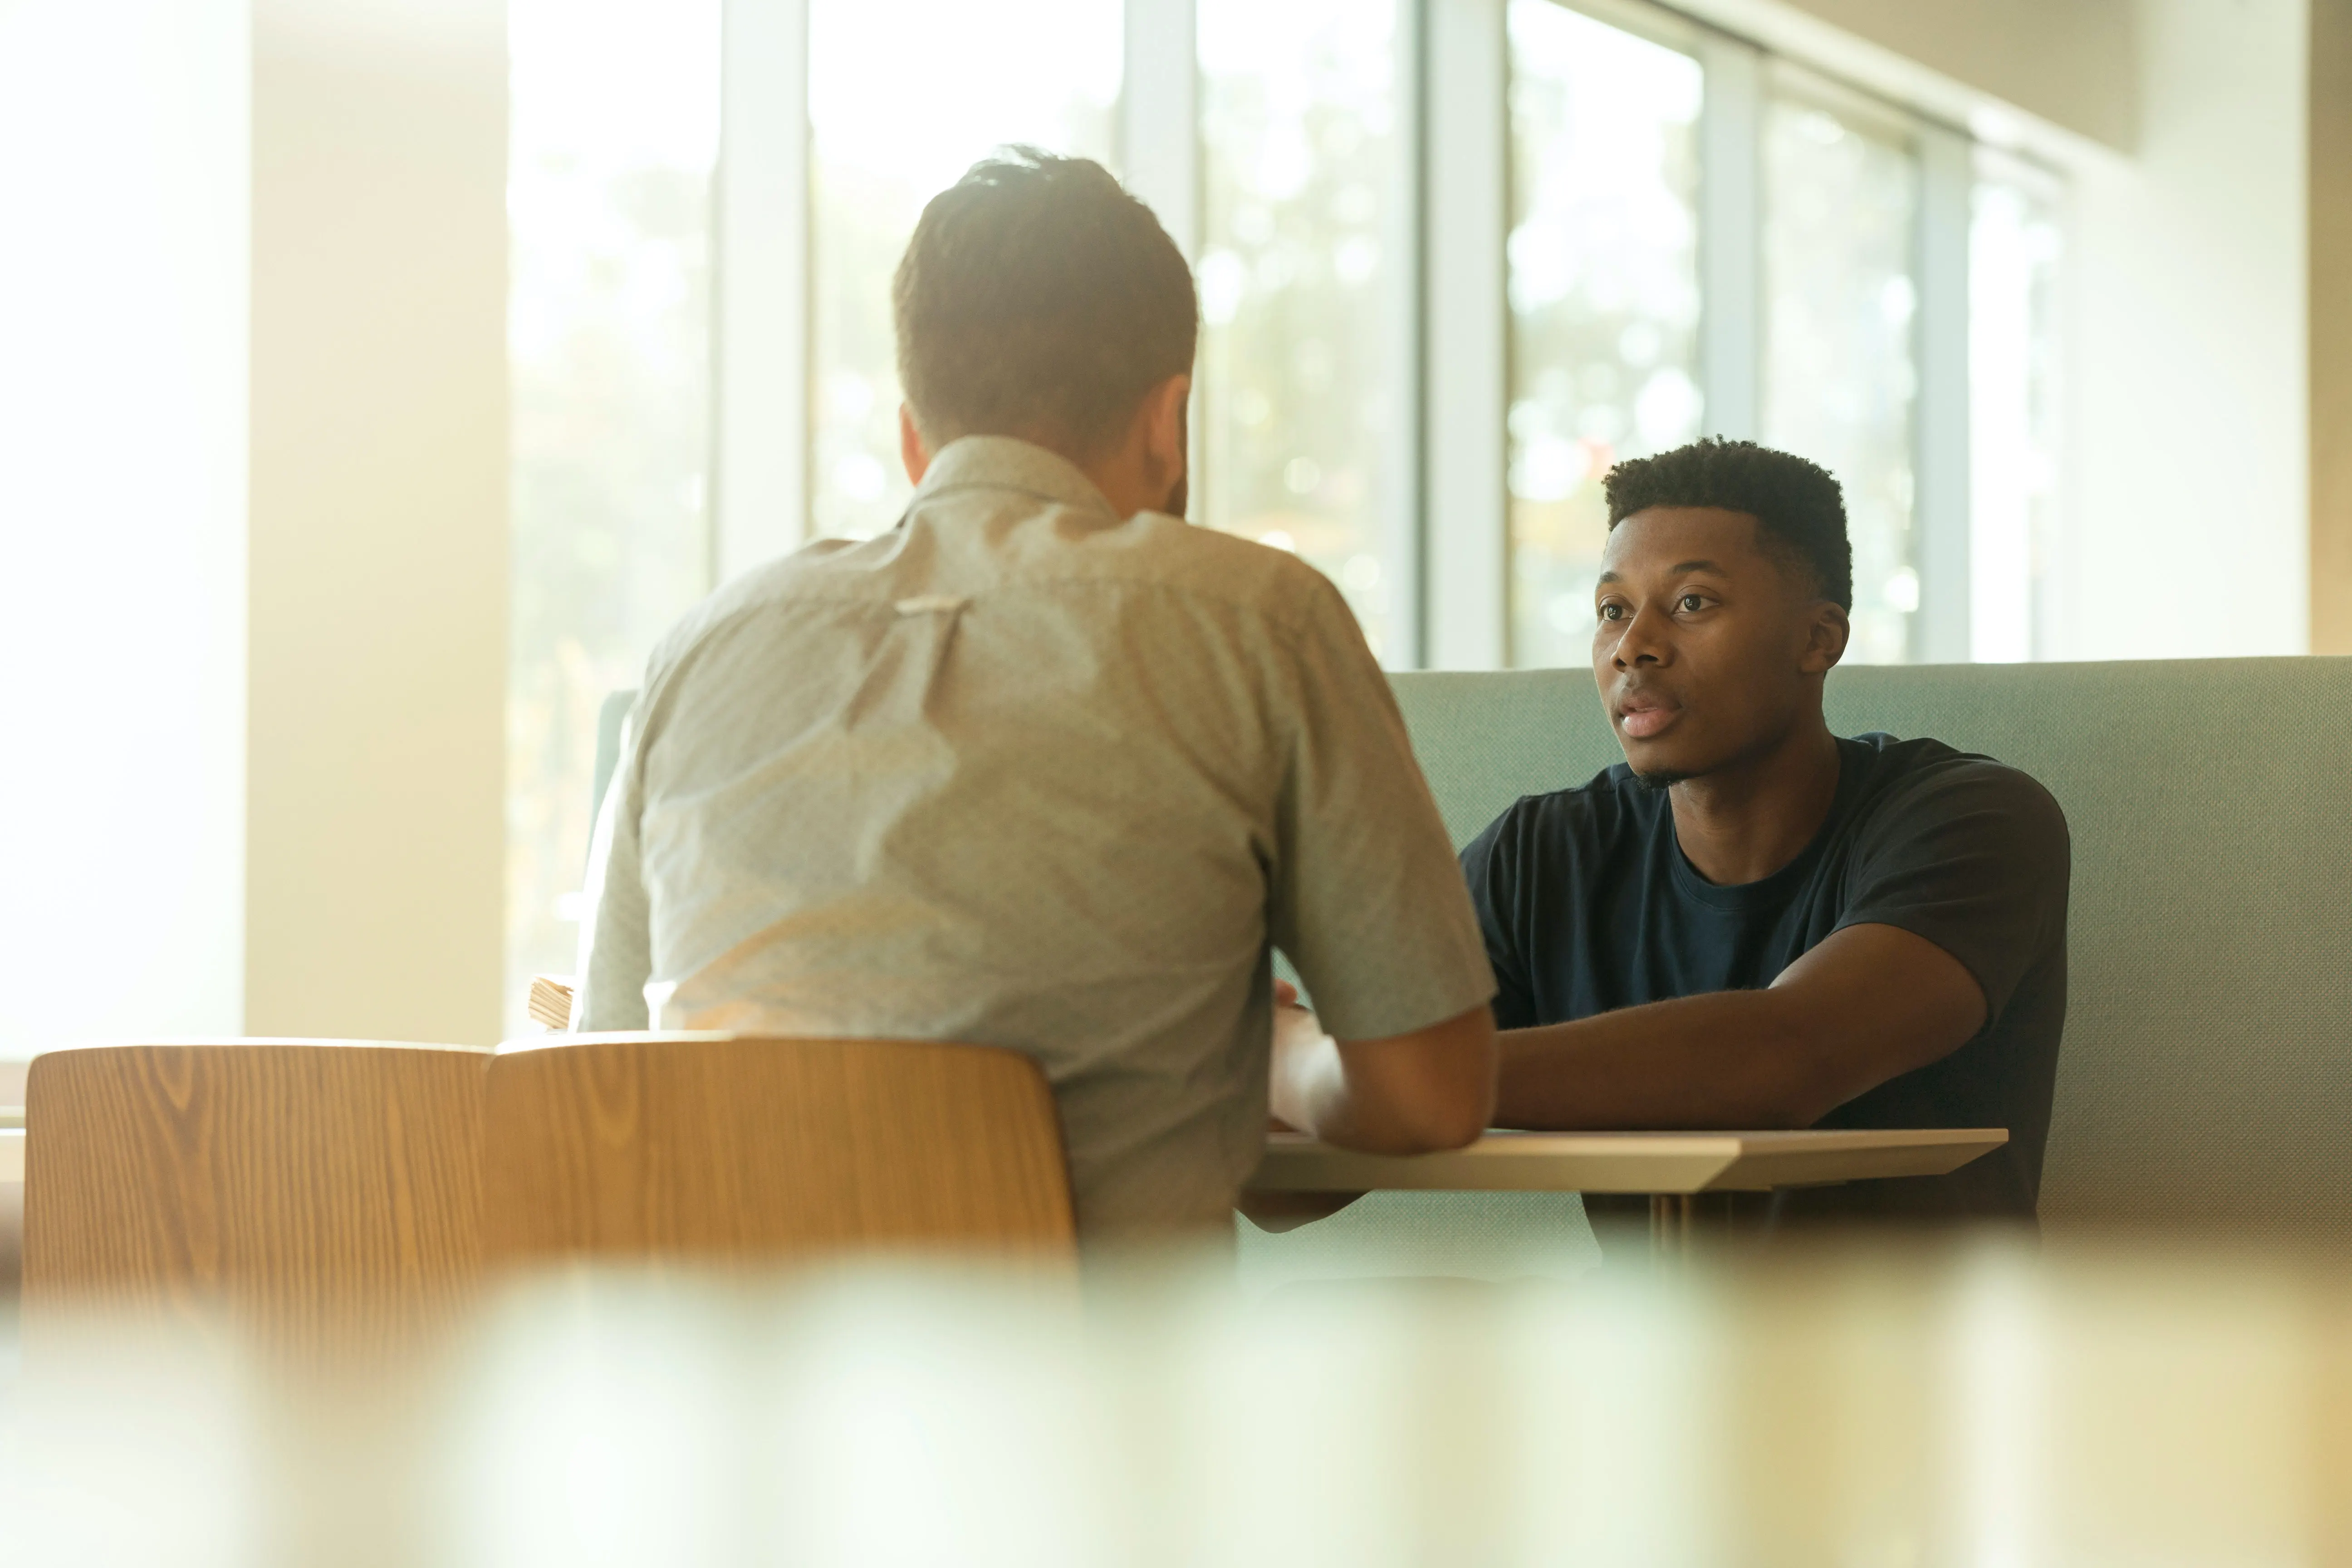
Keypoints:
(1677, 570)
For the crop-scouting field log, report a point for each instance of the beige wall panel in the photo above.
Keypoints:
(378, 564)
(2188, 419)
(124, 158)
(2331, 326)
(2073, 63)
(2069, 61)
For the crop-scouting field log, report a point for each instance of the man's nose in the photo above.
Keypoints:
(1641, 642)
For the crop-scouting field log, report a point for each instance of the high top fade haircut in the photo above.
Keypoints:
(1037, 298)
(1798, 507)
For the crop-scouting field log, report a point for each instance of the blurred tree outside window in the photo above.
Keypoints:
(614, 138)
(1299, 404)
(1604, 298)
(1841, 214)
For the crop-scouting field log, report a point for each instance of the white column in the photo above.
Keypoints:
(760, 327)
(377, 630)
(125, 166)
(1467, 334)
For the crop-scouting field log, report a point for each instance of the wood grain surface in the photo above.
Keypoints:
(749, 1152)
(309, 1189)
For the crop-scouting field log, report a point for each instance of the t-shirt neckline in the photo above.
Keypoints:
(1766, 891)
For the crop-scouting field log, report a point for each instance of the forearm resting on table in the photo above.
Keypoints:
(1409, 1094)
(1868, 1004)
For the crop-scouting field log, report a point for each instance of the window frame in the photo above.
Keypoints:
(1446, 526)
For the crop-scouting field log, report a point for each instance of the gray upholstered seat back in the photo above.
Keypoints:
(2206, 1077)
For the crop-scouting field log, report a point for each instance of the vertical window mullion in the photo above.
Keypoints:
(1941, 511)
(1405, 512)
(1160, 141)
(1466, 325)
(1731, 228)
(759, 318)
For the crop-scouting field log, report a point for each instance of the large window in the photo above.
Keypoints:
(1604, 296)
(1634, 229)
(904, 96)
(1303, 413)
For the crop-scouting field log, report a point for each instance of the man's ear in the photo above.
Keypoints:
(1164, 425)
(916, 456)
(1827, 634)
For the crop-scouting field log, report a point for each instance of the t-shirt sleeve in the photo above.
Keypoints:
(1495, 868)
(1976, 858)
(1367, 900)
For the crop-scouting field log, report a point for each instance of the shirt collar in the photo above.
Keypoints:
(1007, 462)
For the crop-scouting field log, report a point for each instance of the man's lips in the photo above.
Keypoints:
(1643, 716)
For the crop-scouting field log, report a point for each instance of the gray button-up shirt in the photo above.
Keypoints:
(1021, 773)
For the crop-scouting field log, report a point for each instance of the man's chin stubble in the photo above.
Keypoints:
(1655, 782)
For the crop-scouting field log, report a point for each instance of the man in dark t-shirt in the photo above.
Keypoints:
(1750, 923)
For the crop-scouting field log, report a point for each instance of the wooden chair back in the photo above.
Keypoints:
(307, 1188)
(754, 1152)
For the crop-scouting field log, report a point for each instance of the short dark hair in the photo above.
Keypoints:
(1038, 298)
(1797, 504)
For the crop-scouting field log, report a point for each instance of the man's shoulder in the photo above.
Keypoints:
(742, 599)
(1194, 561)
(1924, 780)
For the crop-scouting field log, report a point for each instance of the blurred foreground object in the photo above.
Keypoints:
(325, 1193)
(1839, 1408)
(757, 1151)
(549, 1002)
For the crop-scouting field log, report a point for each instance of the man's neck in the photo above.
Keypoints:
(1743, 823)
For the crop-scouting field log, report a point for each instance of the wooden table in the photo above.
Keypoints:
(1673, 1168)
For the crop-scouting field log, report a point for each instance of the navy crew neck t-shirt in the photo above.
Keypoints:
(1589, 905)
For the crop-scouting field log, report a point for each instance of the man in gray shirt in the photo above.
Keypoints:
(1045, 767)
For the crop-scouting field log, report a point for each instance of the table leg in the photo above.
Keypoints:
(1671, 1214)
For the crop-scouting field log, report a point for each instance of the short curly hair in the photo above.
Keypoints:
(1797, 504)
(1038, 298)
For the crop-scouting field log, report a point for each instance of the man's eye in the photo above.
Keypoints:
(1690, 603)
(1613, 612)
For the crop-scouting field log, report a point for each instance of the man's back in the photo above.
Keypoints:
(1022, 774)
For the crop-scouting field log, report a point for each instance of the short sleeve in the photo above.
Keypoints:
(1367, 901)
(1494, 869)
(616, 932)
(1974, 857)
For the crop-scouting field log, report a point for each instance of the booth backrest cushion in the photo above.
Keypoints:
(2206, 1077)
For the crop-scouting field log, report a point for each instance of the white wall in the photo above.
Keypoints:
(123, 179)
(2188, 347)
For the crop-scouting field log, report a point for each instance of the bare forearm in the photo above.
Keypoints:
(1867, 1004)
(1728, 1058)
(1433, 1089)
